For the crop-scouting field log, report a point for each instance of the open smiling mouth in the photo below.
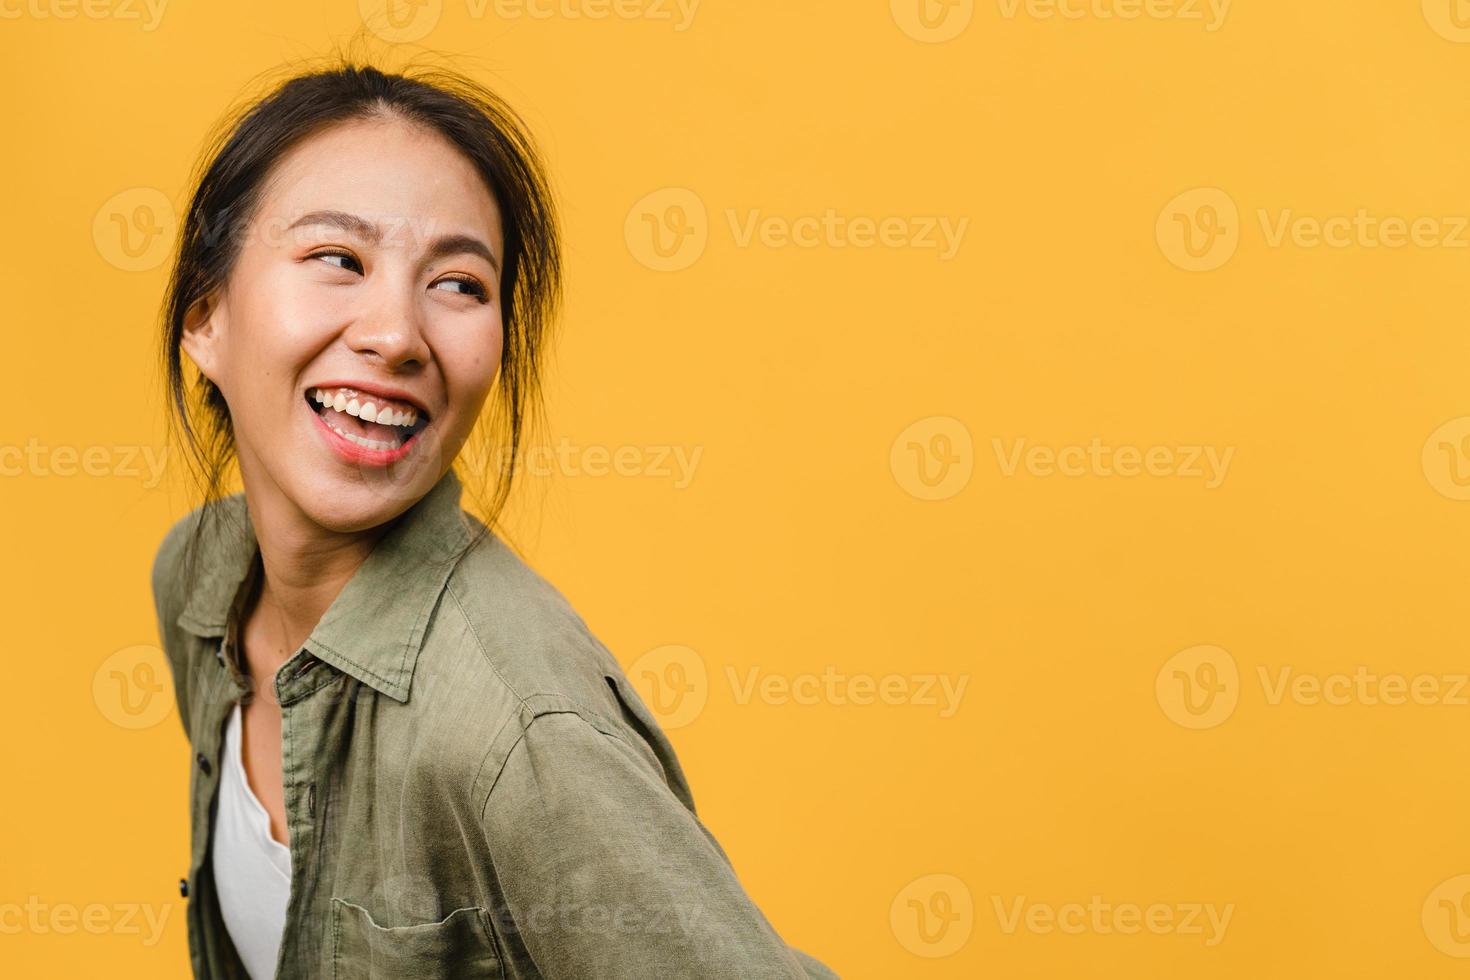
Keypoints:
(380, 429)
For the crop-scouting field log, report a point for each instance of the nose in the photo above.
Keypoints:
(390, 330)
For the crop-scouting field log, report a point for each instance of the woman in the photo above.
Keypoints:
(411, 757)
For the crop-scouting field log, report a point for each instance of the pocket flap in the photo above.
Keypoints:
(457, 947)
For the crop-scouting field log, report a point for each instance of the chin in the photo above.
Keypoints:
(358, 502)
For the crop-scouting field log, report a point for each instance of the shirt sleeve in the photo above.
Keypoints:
(606, 873)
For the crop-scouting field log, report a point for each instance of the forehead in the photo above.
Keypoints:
(403, 176)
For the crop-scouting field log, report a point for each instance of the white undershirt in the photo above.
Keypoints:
(252, 870)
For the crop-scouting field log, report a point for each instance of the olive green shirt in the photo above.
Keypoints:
(472, 788)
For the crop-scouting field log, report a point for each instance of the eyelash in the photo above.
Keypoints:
(475, 288)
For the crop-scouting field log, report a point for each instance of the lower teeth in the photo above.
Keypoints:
(365, 443)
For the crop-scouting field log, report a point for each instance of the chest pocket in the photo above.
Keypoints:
(457, 947)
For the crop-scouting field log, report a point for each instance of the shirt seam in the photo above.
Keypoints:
(525, 728)
(327, 680)
(480, 645)
(515, 716)
(569, 706)
(395, 685)
(420, 624)
(524, 702)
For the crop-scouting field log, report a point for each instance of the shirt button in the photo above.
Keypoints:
(204, 765)
(183, 887)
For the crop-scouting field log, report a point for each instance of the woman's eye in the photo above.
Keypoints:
(467, 287)
(341, 260)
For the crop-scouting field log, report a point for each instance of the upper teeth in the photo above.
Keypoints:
(369, 409)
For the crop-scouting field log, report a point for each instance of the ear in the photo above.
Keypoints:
(203, 335)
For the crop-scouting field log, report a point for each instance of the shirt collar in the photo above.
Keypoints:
(375, 627)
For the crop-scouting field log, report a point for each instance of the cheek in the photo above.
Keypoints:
(278, 322)
(470, 359)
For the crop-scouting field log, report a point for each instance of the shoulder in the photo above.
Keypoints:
(198, 552)
(169, 556)
(193, 529)
(172, 579)
(508, 645)
(526, 631)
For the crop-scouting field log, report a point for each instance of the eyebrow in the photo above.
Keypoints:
(444, 245)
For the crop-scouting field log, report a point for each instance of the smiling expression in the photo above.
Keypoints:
(360, 330)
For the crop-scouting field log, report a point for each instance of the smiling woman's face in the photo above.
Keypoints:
(367, 284)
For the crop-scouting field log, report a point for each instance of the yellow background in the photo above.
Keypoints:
(1074, 766)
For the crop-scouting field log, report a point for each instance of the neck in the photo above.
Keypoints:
(305, 567)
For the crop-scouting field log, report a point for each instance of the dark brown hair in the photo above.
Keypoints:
(227, 189)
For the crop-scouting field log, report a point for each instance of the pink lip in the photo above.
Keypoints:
(350, 451)
(361, 455)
